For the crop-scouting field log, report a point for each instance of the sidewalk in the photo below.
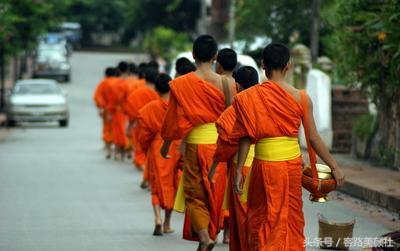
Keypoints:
(378, 186)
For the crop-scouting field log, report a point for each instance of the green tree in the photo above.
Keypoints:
(165, 42)
(95, 16)
(276, 19)
(21, 23)
(144, 15)
(365, 47)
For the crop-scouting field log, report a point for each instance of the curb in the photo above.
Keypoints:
(386, 201)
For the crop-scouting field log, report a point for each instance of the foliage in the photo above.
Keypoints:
(165, 42)
(363, 126)
(274, 18)
(22, 21)
(365, 44)
(95, 16)
(365, 48)
(145, 15)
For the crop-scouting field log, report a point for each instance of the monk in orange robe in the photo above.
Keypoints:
(226, 63)
(119, 122)
(270, 115)
(101, 100)
(162, 172)
(196, 101)
(134, 80)
(135, 101)
(227, 147)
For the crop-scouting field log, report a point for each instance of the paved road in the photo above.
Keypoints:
(57, 192)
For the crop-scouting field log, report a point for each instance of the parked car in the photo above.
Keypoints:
(242, 60)
(52, 62)
(56, 38)
(38, 100)
(72, 32)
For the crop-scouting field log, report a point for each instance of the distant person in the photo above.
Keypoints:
(118, 95)
(275, 219)
(101, 99)
(162, 172)
(179, 63)
(227, 148)
(135, 101)
(196, 101)
(185, 69)
(226, 63)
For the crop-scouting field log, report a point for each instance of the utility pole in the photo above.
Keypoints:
(316, 4)
(232, 22)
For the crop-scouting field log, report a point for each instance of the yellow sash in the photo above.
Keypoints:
(277, 149)
(272, 149)
(179, 204)
(203, 134)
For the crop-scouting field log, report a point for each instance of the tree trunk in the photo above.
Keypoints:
(315, 30)
(385, 145)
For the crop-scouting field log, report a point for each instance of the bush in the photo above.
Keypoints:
(165, 42)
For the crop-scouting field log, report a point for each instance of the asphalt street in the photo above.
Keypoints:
(59, 193)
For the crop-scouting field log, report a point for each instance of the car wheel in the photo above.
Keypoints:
(63, 122)
(67, 78)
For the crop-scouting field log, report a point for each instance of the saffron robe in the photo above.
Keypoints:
(118, 94)
(136, 100)
(194, 102)
(227, 147)
(275, 218)
(101, 99)
(162, 172)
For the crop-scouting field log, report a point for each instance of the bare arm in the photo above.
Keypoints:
(244, 146)
(165, 149)
(211, 173)
(320, 148)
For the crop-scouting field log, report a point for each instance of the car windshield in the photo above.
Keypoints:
(36, 89)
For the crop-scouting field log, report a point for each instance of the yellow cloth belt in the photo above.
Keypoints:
(179, 204)
(203, 134)
(273, 149)
(277, 149)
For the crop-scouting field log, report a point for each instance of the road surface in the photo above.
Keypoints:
(58, 192)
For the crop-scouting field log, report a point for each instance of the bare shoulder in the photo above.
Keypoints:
(296, 93)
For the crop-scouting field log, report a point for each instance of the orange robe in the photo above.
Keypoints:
(101, 97)
(162, 172)
(275, 219)
(227, 147)
(118, 95)
(135, 101)
(194, 102)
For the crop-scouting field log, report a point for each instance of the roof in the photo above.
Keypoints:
(36, 81)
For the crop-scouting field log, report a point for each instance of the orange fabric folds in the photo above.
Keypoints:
(275, 218)
(162, 172)
(195, 102)
(227, 147)
(118, 95)
(101, 99)
(137, 99)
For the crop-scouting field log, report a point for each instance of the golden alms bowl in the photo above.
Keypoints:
(326, 182)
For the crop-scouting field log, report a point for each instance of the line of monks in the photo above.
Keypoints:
(216, 144)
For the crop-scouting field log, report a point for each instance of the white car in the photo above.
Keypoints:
(38, 100)
(243, 60)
